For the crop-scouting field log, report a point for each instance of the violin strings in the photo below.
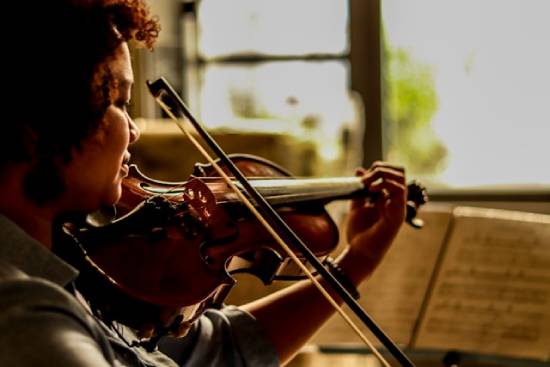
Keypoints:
(273, 233)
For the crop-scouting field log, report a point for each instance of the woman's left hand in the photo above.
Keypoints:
(373, 224)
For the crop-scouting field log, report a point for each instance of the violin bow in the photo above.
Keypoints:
(169, 100)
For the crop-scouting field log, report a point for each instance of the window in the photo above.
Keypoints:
(463, 101)
(468, 91)
(278, 66)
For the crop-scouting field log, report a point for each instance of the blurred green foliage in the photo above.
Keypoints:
(409, 103)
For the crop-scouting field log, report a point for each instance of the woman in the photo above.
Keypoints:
(66, 152)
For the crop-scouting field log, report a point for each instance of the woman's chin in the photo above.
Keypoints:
(112, 197)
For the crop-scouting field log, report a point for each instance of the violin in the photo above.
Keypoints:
(167, 250)
(172, 247)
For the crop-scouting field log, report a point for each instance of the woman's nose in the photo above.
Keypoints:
(134, 130)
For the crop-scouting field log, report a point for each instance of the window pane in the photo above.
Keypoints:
(306, 99)
(272, 27)
(469, 90)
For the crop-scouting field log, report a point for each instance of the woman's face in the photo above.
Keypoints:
(93, 177)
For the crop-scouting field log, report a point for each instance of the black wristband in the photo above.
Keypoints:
(338, 273)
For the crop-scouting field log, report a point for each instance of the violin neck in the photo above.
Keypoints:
(294, 191)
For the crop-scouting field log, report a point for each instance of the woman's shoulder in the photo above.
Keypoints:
(46, 318)
(17, 287)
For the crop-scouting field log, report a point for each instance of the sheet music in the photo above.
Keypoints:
(394, 294)
(492, 293)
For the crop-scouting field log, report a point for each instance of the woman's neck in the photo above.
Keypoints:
(37, 225)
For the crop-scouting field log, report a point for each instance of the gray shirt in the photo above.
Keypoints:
(42, 324)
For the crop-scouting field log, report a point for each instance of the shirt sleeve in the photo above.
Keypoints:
(43, 325)
(229, 337)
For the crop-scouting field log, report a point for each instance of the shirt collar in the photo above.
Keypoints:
(26, 253)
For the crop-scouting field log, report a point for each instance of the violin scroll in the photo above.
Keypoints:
(416, 197)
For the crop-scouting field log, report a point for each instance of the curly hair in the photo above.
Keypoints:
(58, 87)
